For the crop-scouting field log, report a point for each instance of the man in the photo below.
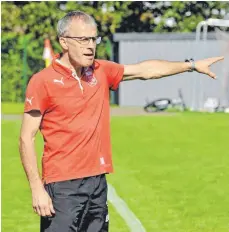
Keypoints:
(69, 103)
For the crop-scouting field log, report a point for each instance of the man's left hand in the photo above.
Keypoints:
(202, 66)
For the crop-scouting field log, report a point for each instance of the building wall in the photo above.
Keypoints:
(195, 87)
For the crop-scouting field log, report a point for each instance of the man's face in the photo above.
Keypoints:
(81, 53)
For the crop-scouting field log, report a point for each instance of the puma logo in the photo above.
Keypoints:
(29, 100)
(59, 81)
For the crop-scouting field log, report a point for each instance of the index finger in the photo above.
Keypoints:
(216, 59)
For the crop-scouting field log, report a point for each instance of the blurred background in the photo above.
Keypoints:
(131, 32)
(171, 169)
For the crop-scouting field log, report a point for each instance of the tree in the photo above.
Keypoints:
(37, 21)
(166, 16)
(20, 21)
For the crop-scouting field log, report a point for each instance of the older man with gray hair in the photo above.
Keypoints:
(69, 102)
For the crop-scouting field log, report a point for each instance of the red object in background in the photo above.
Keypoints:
(48, 53)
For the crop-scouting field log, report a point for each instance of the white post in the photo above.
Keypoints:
(194, 104)
(204, 24)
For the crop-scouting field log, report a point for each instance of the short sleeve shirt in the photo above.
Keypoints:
(75, 118)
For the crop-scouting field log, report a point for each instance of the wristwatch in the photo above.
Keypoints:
(191, 61)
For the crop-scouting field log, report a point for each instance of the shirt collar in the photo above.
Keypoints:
(65, 70)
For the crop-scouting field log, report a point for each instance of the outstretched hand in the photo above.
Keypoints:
(202, 66)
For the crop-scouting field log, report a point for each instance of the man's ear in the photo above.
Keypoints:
(63, 43)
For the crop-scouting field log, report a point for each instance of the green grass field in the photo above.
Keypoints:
(12, 108)
(172, 171)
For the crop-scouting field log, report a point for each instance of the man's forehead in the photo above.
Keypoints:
(79, 28)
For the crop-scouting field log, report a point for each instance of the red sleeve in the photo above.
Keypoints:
(114, 72)
(36, 95)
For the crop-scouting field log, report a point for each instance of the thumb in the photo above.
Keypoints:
(211, 74)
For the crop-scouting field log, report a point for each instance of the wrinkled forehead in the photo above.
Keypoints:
(78, 27)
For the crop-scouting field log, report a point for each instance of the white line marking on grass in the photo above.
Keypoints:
(121, 207)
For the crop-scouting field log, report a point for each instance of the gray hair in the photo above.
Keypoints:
(63, 23)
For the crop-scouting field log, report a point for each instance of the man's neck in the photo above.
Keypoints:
(64, 60)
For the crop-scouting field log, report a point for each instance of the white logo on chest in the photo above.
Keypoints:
(59, 81)
(29, 100)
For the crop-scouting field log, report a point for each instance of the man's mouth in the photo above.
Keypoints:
(89, 55)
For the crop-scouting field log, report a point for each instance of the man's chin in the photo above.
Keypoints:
(88, 63)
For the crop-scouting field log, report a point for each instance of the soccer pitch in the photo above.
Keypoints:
(172, 171)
